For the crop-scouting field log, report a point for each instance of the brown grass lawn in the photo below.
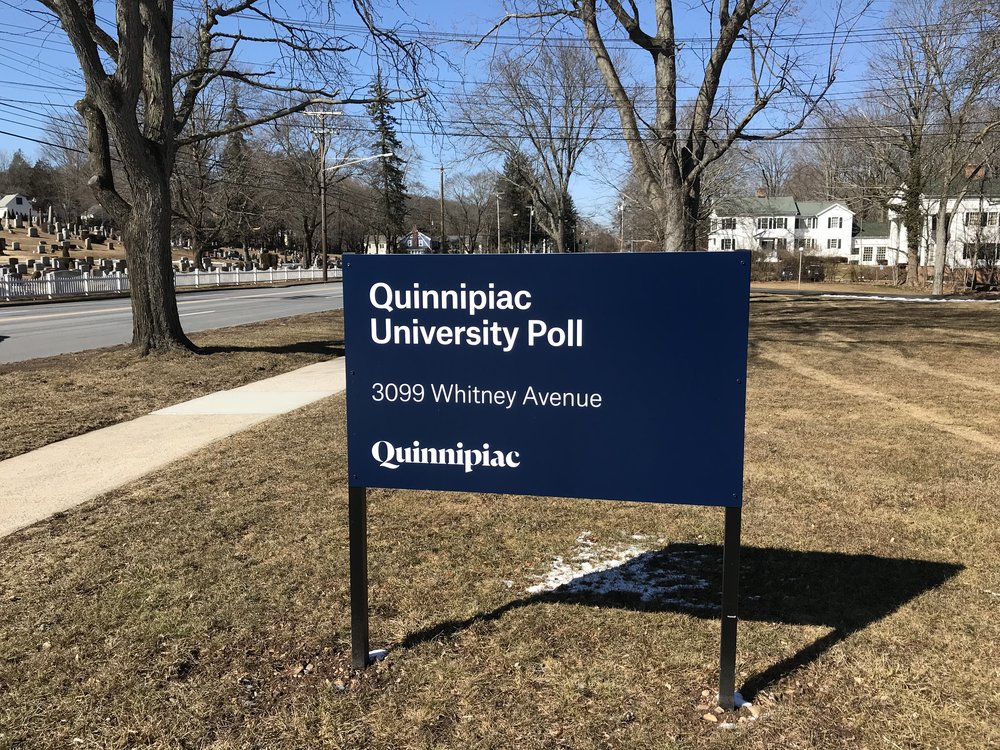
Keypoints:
(206, 606)
(54, 398)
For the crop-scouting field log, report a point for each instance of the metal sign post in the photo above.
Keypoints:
(357, 530)
(730, 605)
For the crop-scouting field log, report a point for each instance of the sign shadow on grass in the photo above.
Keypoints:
(840, 591)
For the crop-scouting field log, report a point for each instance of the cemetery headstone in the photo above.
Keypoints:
(32, 231)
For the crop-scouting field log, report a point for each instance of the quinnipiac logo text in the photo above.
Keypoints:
(390, 456)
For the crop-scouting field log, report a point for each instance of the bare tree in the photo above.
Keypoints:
(772, 160)
(546, 105)
(143, 75)
(471, 200)
(671, 150)
(937, 112)
(844, 160)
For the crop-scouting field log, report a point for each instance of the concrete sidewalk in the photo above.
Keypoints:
(36, 485)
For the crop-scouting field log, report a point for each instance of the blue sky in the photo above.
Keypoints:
(41, 79)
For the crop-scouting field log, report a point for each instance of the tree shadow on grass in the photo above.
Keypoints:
(844, 592)
(328, 348)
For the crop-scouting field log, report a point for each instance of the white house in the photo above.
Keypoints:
(782, 224)
(973, 228)
(414, 243)
(15, 204)
(871, 246)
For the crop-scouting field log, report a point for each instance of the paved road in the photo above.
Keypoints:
(42, 330)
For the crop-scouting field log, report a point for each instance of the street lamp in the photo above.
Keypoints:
(498, 222)
(621, 230)
(801, 249)
(531, 216)
(323, 194)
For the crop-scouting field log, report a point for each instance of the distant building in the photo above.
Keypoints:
(415, 243)
(973, 227)
(15, 204)
(871, 246)
(772, 226)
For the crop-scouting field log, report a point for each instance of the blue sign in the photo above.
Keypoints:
(618, 376)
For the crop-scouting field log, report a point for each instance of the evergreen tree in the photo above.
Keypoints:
(569, 225)
(388, 177)
(515, 206)
(241, 212)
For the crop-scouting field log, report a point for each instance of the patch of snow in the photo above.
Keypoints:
(378, 654)
(885, 298)
(628, 569)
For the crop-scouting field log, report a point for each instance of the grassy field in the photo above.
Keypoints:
(54, 398)
(206, 606)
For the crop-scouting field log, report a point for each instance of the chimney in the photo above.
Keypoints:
(761, 192)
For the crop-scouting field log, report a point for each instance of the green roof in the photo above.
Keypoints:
(873, 229)
(752, 206)
(815, 208)
(988, 188)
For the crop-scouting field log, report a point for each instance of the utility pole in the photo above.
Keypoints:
(442, 209)
(498, 222)
(322, 184)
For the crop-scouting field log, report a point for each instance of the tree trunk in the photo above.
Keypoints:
(678, 222)
(156, 323)
(940, 248)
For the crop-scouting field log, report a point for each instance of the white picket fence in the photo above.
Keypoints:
(83, 286)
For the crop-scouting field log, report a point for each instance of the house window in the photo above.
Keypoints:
(985, 254)
(975, 219)
(806, 222)
(880, 255)
(835, 222)
(772, 222)
(809, 243)
(769, 244)
(947, 222)
(991, 219)
(19, 201)
(728, 223)
(727, 243)
(833, 244)
(866, 256)
(855, 250)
